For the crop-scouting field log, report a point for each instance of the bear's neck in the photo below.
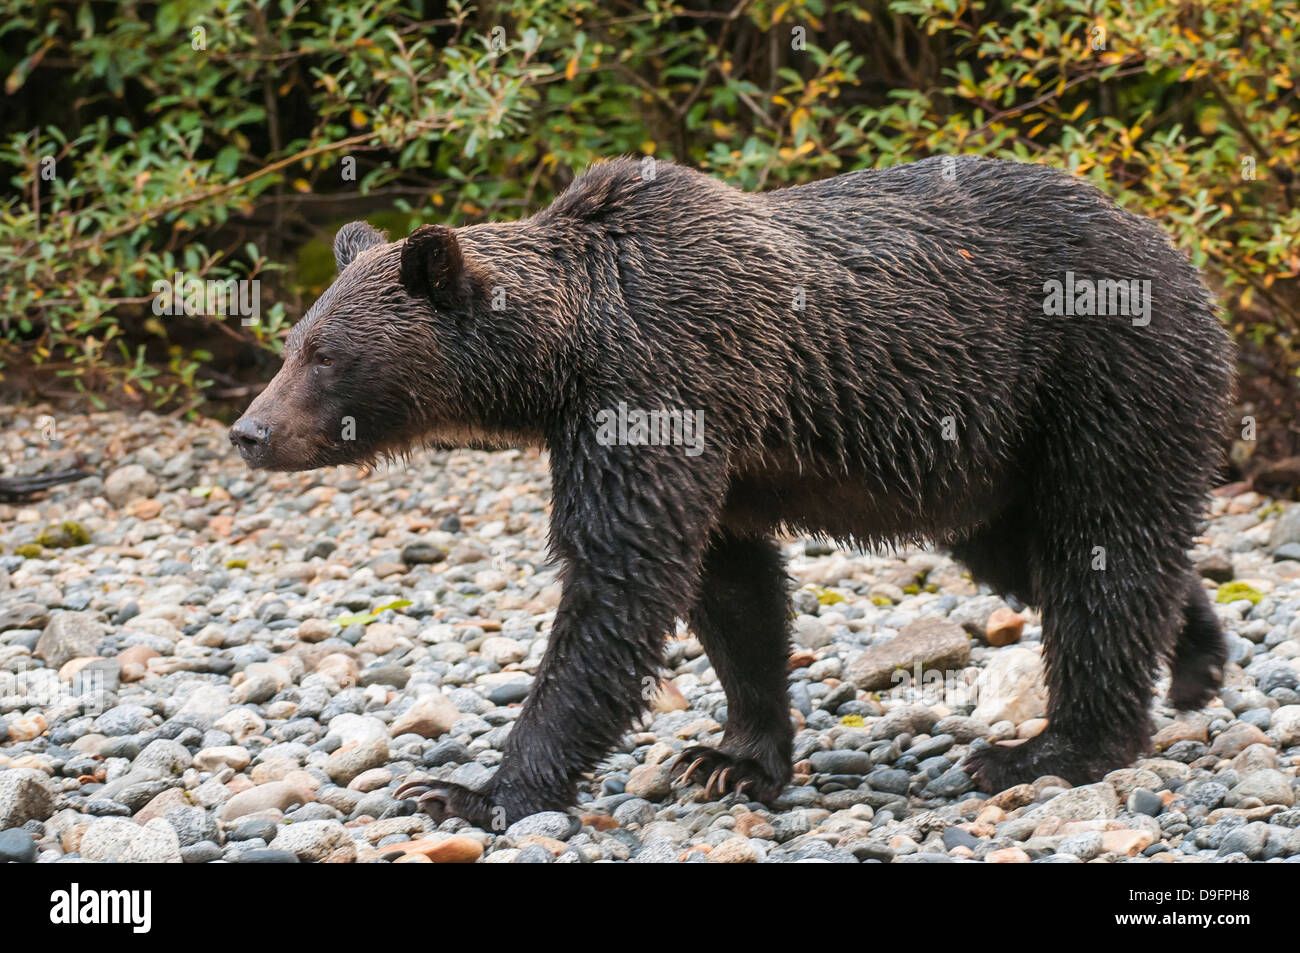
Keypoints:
(516, 346)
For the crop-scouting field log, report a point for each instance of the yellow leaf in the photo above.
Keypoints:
(302, 185)
(357, 117)
(571, 69)
(648, 147)
(798, 119)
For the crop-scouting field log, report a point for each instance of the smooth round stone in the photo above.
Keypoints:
(257, 827)
(950, 784)
(1142, 801)
(841, 762)
(534, 854)
(890, 780)
(509, 693)
(956, 837)
(17, 846)
(201, 853)
(265, 855)
(554, 824)
(1261, 718)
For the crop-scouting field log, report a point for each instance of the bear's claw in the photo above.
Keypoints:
(442, 799)
(999, 767)
(723, 773)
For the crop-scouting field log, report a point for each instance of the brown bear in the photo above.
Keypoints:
(988, 355)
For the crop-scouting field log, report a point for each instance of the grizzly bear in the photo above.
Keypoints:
(987, 355)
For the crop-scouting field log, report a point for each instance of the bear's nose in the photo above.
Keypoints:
(251, 436)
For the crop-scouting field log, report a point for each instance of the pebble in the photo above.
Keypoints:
(241, 722)
(17, 846)
(314, 841)
(126, 842)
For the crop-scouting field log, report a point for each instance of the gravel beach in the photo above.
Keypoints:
(200, 663)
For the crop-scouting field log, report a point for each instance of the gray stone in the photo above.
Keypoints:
(163, 757)
(554, 824)
(1269, 786)
(1087, 803)
(932, 643)
(17, 846)
(129, 483)
(1286, 529)
(192, 825)
(841, 762)
(70, 635)
(316, 840)
(25, 795)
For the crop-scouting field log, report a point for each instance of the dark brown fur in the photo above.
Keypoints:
(919, 393)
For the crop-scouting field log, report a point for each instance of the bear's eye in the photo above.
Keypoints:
(324, 360)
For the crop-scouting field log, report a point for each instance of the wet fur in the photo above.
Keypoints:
(924, 301)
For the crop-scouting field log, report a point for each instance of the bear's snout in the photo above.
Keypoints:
(252, 437)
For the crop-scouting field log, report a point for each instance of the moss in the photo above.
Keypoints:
(1232, 591)
(236, 563)
(64, 536)
(911, 590)
(853, 721)
(881, 601)
(828, 597)
(28, 551)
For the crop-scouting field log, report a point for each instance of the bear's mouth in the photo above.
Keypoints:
(274, 447)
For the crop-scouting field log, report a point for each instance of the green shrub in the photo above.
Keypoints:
(216, 138)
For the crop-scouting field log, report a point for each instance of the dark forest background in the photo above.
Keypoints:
(229, 140)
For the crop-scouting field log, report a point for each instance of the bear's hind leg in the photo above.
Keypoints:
(1201, 652)
(1111, 585)
(741, 616)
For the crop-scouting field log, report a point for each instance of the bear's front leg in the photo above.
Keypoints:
(629, 525)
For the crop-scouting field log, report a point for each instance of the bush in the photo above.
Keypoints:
(225, 139)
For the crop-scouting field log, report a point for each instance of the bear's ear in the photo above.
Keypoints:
(432, 265)
(352, 239)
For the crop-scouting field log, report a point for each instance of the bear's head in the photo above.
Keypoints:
(367, 371)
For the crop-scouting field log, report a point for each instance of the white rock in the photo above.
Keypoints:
(352, 728)
(1285, 726)
(811, 632)
(316, 840)
(1011, 688)
(503, 650)
(121, 841)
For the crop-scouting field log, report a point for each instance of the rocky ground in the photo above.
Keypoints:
(198, 663)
